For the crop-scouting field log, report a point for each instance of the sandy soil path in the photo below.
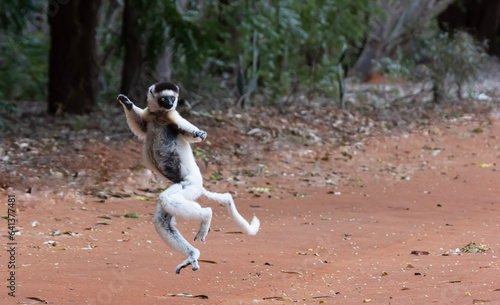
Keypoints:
(435, 190)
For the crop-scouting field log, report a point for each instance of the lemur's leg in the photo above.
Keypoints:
(165, 226)
(134, 116)
(178, 200)
(227, 199)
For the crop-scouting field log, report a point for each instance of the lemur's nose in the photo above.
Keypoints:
(166, 101)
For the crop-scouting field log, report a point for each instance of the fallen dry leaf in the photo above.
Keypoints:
(187, 295)
(291, 272)
(206, 261)
(71, 233)
(415, 252)
(39, 300)
(321, 297)
(273, 298)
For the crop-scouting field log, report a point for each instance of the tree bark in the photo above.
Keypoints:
(72, 57)
(403, 19)
(133, 67)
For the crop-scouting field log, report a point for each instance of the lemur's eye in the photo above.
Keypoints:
(173, 98)
(162, 99)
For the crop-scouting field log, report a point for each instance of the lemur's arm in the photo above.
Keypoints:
(134, 117)
(191, 133)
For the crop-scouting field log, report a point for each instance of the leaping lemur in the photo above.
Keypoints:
(167, 152)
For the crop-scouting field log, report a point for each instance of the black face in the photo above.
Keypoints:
(166, 101)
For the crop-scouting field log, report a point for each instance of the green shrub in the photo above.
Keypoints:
(24, 66)
(396, 68)
(452, 59)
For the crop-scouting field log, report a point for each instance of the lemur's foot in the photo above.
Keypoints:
(125, 101)
(204, 226)
(200, 134)
(187, 262)
(202, 234)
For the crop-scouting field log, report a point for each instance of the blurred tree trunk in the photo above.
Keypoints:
(164, 66)
(133, 68)
(72, 57)
(402, 20)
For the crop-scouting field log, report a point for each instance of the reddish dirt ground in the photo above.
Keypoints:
(337, 230)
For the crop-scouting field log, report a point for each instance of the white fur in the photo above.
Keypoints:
(132, 124)
(179, 199)
(227, 200)
(184, 124)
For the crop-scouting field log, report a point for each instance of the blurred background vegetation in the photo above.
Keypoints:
(78, 54)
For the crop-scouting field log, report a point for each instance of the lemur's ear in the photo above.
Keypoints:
(150, 91)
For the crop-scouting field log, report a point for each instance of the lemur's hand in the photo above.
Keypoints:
(125, 101)
(200, 134)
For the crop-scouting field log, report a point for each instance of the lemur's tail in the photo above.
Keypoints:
(247, 228)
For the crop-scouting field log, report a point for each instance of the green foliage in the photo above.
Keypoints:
(398, 67)
(24, 66)
(330, 81)
(14, 15)
(166, 25)
(271, 49)
(200, 153)
(5, 109)
(274, 47)
(448, 60)
(23, 53)
(216, 175)
(451, 59)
